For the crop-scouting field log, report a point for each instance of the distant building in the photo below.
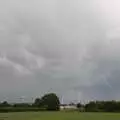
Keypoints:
(68, 107)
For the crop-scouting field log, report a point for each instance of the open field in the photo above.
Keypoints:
(59, 116)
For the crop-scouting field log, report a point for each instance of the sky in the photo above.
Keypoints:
(70, 47)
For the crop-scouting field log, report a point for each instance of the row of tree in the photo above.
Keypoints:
(101, 106)
(47, 102)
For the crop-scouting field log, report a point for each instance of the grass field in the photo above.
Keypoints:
(59, 116)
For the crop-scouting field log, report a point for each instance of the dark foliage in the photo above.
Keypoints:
(103, 106)
(49, 102)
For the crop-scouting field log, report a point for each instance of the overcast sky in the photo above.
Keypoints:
(70, 47)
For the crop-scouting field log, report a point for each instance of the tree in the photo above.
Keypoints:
(37, 102)
(79, 105)
(91, 107)
(50, 102)
(4, 104)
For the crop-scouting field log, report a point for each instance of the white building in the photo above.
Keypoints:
(68, 107)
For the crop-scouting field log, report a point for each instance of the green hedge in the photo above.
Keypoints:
(12, 109)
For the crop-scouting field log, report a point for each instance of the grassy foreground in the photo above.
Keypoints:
(59, 116)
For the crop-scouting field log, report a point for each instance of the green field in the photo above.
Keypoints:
(59, 116)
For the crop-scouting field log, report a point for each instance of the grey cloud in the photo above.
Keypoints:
(69, 46)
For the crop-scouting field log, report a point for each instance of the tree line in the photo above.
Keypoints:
(48, 102)
(101, 106)
(51, 102)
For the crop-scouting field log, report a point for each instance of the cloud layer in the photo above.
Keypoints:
(63, 46)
